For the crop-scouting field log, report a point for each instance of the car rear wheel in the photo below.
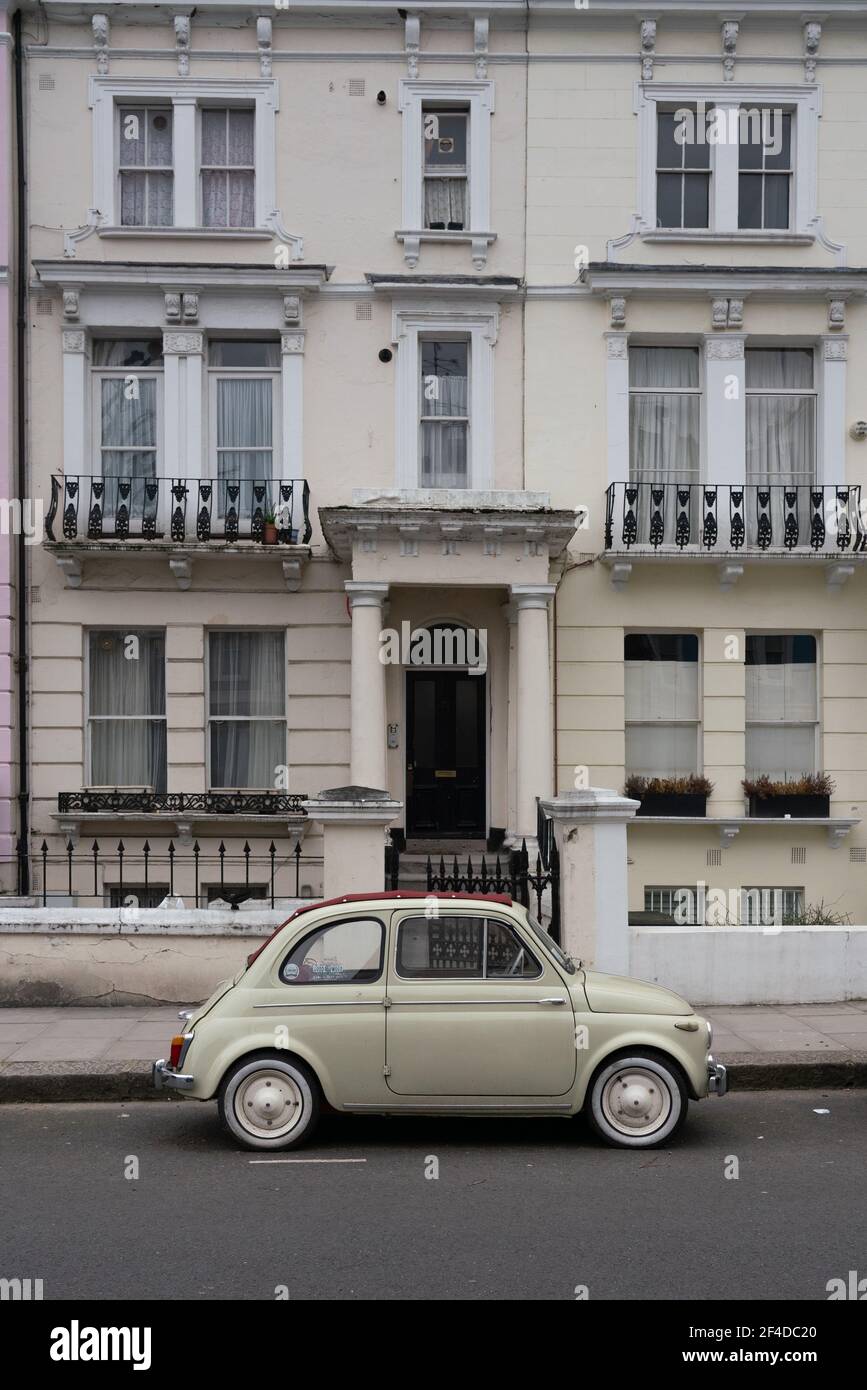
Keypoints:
(637, 1101)
(270, 1103)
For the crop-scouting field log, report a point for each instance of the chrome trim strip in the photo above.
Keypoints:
(459, 1106)
(463, 1003)
(325, 1004)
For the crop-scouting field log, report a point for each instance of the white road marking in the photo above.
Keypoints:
(306, 1160)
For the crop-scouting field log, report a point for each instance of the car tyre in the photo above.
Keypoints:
(637, 1101)
(270, 1103)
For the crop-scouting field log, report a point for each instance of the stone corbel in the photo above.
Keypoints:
(100, 27)
(730, 29)
(617, 306)
(493, 540)
(70, 568)
(836, 313)
(71, 304)
(409, 535)
(263, 40)
(736, 313)
(191, 307)
(729, 576)
(728, 833)
(838, 574)
(480, 45)
(71, 832)
(71, 239)
(367, 532)
(648, 48)
(412, 41)
(292, 309)
(451, 533)
(621, 573)
(292, 575)
(182, 43)
(411, 249)
(812, 38)
(837, 834)
(719, 313)
(181, 567)
(173, 307)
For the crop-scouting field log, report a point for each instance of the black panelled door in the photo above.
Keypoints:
(445, 771)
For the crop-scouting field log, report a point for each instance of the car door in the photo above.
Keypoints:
(327, 999)
(474, 1010)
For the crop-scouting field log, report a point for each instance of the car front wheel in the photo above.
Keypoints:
(269, 1103)
(637, 1101)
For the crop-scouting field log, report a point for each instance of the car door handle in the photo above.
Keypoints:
(552, 999)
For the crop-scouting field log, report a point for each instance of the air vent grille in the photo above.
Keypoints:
(46, 82)
(799, 854)
(356, 86)
(714, 856)
(363, 310)
(858, 854)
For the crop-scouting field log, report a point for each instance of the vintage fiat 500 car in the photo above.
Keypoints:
(400, 1003)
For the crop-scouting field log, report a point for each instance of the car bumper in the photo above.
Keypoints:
(165, 1079)
(717, 1078)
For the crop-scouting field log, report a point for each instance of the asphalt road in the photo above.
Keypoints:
(520, 1210)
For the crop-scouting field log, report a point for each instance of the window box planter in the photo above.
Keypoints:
(766, 807)
(673, 804)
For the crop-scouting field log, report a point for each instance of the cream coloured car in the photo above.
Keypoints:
(455, 1003)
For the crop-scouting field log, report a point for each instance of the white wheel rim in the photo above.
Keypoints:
(268, 1104)
(636, 1101)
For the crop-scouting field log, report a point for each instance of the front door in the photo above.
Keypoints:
(445, 769)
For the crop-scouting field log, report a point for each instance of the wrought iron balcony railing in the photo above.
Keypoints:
(119, 799)
(178, 509)
(731, 517)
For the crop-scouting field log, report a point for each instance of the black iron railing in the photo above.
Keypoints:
(726, 517)
(178, 509)
(238, 803)
(142, 874)
(514, 878)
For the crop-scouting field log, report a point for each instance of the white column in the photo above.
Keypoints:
(590, 827)
(725, 412)
(183, 376)
(535, 752)
(617, 406)
(367, 686)
(511, 616)
(832, 395)
(353, 831)
(292, 459)
(186, 183)
(74, 401)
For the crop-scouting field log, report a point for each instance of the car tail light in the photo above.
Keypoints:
(177, 1048)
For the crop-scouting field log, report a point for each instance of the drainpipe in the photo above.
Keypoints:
(21, 479)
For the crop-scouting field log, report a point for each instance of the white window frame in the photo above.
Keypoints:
(88, 632)
(699, 391)
(453, 419)
(795, 894)
(414, 99)
(805, 392)
(805, 105)
(272, 374)
(241, 718)
(221, 168)
(186, 96)
(479, 324)
(148, 109)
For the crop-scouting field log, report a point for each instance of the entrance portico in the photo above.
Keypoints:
(466, 745)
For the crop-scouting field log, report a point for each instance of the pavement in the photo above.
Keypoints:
(135, 1201)
(84, 1054)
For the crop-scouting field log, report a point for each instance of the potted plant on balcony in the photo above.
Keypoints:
(809, 795)
(670, 796)
(269, 528)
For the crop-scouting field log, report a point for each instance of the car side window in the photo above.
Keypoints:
(461, 948)
(339, 953)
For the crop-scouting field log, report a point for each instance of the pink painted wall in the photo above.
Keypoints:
(8, 784)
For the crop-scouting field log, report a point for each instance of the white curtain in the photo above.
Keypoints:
(786, 694)
(781, 436)
(658, 693)
(248, 707)
(127, 705)
(445, 393)
(228, 180)
(245, 435)
(129, 445)
(146, 145)
(445, 203)
(664, 414)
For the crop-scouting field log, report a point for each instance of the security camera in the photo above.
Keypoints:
(381, 98)
(859, 429)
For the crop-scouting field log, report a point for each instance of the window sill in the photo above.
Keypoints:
(185, 233)
(479, 241)
(740, 236)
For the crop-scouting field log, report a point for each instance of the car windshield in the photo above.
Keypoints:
(551, 945)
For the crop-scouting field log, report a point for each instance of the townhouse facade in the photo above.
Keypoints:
(531, 322)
